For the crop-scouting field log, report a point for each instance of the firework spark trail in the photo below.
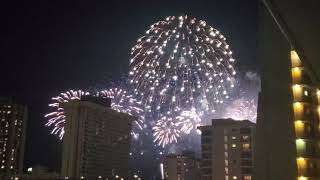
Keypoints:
(179, 62)
(56, 118)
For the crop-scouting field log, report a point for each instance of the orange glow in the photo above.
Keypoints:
(295, 60)
(299, 127)
(302, 178)
(298, 110)
(296, 74)
(297, 92)
(301, 162)
(318, 96)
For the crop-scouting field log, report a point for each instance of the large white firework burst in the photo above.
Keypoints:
(56, 118)
(124, 102)
(242, 109)
(166, 131)
(179, 62)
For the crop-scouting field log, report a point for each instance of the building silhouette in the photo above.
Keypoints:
(182, 166)
(13, 120)
(227, 150)
(288, 133)
(96, 141)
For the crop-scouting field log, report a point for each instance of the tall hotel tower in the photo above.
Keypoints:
(13, 122)
(97, 140)
(288, 129)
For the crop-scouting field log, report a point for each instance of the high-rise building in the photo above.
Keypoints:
(288, 129)
(227, 150)
(96, 142)
(183, 166)
(13, 120)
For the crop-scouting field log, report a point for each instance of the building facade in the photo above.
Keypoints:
(13, 120)
(96, 142)
(227, 150)
(183, 166)
(288, 129)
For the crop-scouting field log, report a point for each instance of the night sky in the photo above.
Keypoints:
(53, 46)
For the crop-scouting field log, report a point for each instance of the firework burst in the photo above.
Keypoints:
(166, 131)
(179, 62)
(189, 120)
(242, 109)
(56, 118)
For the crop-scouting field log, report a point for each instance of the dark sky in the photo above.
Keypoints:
(52, 46)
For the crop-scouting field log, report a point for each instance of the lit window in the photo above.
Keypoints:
(29, 169)
(225, 138)
(246, 147)
(234, 145)
(247, 178)
(302, 178)
(306, 93)
(234, 177)
(226, 154)
(226, 146)
(245, 137)
(226, 170)
(233, 137)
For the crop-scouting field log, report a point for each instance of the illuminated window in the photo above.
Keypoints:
(296, 74)
(234, 177)
(226, 154)
(246, 147)
(226, 146)
(295, 60)
(226, 170)
(301, 162)
(233, 137)
(225, 138)
(302, 178)
(234, 145)
(300, 143)
(299, 128)
(247, 178)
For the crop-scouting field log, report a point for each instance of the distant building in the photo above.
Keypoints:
(96, 141)
(288, 122)
(181, 167)
(227, 150)
(38, 173)
(13, 120)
